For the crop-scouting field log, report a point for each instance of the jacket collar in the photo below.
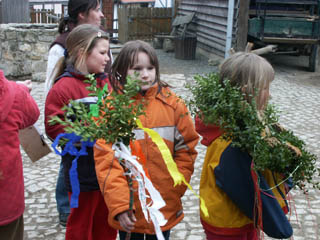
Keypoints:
(152, 92)
(71, 71)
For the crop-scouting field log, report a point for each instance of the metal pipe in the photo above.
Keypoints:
(229, 27)
(173, 8)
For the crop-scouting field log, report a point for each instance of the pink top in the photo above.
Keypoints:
(18, 110)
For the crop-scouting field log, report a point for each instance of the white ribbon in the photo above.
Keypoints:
(136, 170)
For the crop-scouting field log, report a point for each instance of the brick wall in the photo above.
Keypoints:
(107, 10)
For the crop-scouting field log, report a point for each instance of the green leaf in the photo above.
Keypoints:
(225, 106)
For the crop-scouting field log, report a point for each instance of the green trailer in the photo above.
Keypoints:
(291, 25)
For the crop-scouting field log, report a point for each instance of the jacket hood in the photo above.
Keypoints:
(7, 95)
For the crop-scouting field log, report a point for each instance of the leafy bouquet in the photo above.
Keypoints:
(112, 118)
(257, 132)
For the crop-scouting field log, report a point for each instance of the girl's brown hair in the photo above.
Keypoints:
(82, 38)
(126, 60)
(248, 71)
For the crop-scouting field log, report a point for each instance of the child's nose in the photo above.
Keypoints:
(107, 58)
(144, 73)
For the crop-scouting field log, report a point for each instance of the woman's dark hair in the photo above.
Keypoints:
(126, 60)
(74, 8)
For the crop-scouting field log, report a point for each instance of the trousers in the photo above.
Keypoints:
(141, 236)
(13, 230)
(62, 198)
(90, 220)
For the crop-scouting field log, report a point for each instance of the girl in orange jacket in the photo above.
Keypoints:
(166, 114)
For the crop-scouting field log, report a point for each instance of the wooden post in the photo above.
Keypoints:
(123, 22)
(242, 31)
(15, 11)
(33, 15)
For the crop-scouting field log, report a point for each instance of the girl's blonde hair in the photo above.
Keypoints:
(126, 60)
(82, 38)
(248, 71)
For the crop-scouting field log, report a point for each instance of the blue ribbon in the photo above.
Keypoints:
(72, 150)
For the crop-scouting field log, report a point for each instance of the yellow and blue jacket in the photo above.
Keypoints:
(227, 187)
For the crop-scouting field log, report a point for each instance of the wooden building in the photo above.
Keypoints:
(219, 24)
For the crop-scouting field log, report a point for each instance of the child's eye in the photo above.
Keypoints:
(137, 68)
(151, 68)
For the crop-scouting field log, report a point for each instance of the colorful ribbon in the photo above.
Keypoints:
(137, 172)
(72, 150)
(94, 108)
(177, 177)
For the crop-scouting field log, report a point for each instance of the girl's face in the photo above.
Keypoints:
(98, 58)
(93, 17)
(263, 96)
(145, 70)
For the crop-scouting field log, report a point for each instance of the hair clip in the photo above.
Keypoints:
(99, 34)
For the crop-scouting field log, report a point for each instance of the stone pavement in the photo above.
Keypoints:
(299, 103)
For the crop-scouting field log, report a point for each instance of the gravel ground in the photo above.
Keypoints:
(170, 65)
(294, 90)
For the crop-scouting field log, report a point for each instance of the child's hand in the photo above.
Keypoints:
(127, 220)
(27, 83)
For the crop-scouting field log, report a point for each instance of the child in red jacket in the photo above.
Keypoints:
(86, 53)
(18, 110)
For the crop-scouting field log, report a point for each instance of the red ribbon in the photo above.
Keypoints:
(136, 150)
(257, 201)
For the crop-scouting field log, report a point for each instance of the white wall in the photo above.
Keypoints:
(57, 7)
(163, 3)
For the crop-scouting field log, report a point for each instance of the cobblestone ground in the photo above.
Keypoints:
(296, 93)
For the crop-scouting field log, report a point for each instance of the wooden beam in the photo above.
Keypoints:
(242, 31)
(264, 50)
(290, 40)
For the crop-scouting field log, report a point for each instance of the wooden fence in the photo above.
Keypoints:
(143, 23)
(43, 16)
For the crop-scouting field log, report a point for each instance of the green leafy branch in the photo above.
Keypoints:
(113, 118)
(256, 132)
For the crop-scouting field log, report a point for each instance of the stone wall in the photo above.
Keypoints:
(24, 50)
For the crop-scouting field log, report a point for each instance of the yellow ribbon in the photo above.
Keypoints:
(177, 177)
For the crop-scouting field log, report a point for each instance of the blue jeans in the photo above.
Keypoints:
(62, 198)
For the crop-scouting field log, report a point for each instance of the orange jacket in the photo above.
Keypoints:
(166, 114)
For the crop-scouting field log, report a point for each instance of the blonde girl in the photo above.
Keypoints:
(227, 218)
(86, 52)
